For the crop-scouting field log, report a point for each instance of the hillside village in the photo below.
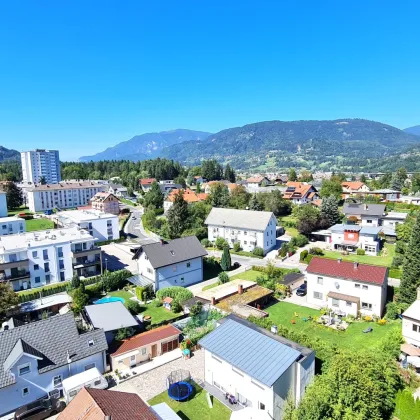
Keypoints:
(207, 293)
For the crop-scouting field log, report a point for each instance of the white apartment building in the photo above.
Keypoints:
(250, 228)
(3, 204)
(260, 369)
(63, 195)
(103, 226)
(41, 163)
(347, 287)
(12, 225)
(35, 259)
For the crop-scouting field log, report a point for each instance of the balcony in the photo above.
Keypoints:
(17, 276)
(81, 263)
(14, 264)
(85, 252)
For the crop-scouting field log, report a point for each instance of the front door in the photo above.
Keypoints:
(154, 350)
(133, 361)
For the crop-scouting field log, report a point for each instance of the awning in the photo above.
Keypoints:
(125, 355)
(341, 296)
(410, 350)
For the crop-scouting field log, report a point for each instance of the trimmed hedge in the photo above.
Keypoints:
(49, 290)
(176, 292)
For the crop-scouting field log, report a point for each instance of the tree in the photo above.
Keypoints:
(226, 261)
(154, 197)
(239, 197)
(229, 173)
(254, 204)
(363, 178)
(219, 195)
(398, 180)
(223, 278)
(331, 187)
(178, 216)
(80, 299)
(415, 183)
(307, 218)
(292, 175)
(198, 188)
(42, 180)
(8, 299)
(180, 180)
(277, 204)
(329, 211)
(75, 281)
(410, 279)
(211, 170)
(305, 176)
(13, 195)
(123, 333)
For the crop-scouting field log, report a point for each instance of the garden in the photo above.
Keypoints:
(39, 224)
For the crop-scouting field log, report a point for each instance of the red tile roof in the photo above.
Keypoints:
(95, 404)
(148, 337)
(168, 299)
(256, 179)
(352, 185)
(147, 181)
(188, 195)
(347, 270)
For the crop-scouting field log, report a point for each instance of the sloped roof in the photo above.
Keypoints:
(352, 185)
(364, 209)
(261, 356)
(413, 311)
(161, 254)
(348, 270)
(145, 338)
(188, 195)
(52, 338)
(147, 181)
(243, 219)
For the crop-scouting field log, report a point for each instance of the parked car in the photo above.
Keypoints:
(302, 289)
(40, 409)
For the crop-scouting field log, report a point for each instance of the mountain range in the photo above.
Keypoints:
(344, 144)
(413, 130)
(8, 154)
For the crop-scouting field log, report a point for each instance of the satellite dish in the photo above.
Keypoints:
(337, 285)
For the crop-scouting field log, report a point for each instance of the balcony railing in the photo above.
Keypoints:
(91, 249)
(18, 276)
(13, 264)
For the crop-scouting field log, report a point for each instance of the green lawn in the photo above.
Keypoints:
(159, 314)
(283, 312)
(39, 224)
(291, 231)
(196, 408)
(122, 294)
(384, 259)
(22, 209)
(247, 275)
(128, 202)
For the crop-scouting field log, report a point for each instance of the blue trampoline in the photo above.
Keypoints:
(180, 391)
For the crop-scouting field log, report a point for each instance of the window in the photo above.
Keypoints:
(62, 276)
(262, 406)
(36, 267)
(60, 251)
(47, 267)
(357, 286)
(267, 243)
(47, 277)
(367, 306)
(91, 343)
(188, 264)
(25, 391)
(320, 280)
(364, 287)
(4, 226)
(370, 248)
(267, 233)
(149, 270)
(37, 279)
(45, 254)
(416, 328)
(317, 295)
(34, 254)
(133, 358)
(72, 393)
(24, 369)
(245, 233)
(335, 302)
(348, 303)
(57, 380)
(90, 366)
(182, 279)
(143, 351)
(369, 221)
(245, 242)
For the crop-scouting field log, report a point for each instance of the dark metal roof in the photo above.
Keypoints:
(292, 277)
(161, 254)
(364, 209)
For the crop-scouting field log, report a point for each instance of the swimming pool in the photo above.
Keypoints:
(109, 299)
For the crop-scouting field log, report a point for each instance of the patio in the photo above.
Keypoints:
(220, 395)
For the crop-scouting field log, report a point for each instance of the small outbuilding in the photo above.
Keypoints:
(167, 303)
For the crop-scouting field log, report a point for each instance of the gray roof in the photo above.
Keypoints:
(50, 339)
(364, 209)
(389, 231)
(110, 316)
(258, 354)
(370, 230)
(243, 219)
(340, 228)
(161, 254)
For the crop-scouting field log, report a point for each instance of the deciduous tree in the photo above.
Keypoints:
(219, 195)
(13, 195)
(8, 299)
(154, 197)
(331, 187)
(292, 175)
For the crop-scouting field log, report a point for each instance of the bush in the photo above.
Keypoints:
(406, 407)
(196, 309)
(206, 243)
(236, 246)
(394, 309)
(115, 280)
(157, 303)
(32, 294)
(283, 250)
(140, 293)
(133, 306)
(309, 258)
(258, 252)
(360, 251)
(123, 333)
(177, 293)
(221, 243)
(316, 251)
(301, 240)
(303, 255)
(176, 307)
(397, 260)
(223, 277)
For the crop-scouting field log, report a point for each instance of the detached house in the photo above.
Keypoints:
(146, 183)
(118, 190)
(300, 193)
(174, 263)
(259, 368)
(411, 322)
(347, 287)
(257, 181)
(188, 195)
(352, 237)
(354, 188)
(35, 358)
(250, 228)
(364, 214)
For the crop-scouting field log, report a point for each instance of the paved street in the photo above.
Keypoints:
(135, 230)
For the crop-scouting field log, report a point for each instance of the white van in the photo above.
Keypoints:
(91, 378)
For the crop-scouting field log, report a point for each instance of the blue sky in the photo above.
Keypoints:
(81, 76)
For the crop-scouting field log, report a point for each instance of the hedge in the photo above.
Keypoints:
(176, 292)
(49, 290)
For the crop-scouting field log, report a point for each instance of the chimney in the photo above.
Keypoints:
(418, 293)
(240, 289)
(355, 265)
(213, 301)
(339, 260)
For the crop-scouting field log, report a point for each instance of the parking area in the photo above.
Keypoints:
(118, 257)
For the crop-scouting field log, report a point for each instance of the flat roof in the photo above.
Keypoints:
(110, 316)
(85, 215)
(248, 296)
(11, 219)
(226, 289)
(45, 302)
(81, 378)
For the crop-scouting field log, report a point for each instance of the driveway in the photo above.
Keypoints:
(118, 256)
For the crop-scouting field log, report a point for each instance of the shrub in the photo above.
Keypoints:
(283, 250)
(177, 293)
(157, 303)
(32, 294)
(303, 255)
(301, 240)
(196, 309)
(123, 333)
(115, 280)
(360, 251)
(206, 243)
(176, 307)
(80, 300)
(223, 277)
(140, 293)
(406, 407)
(236, 246)
(316, 251)
(75, 281)
(382, 321)
(220, 243)
(149, 293)
(367, 318)
(397, 260)
(394, 309)
(309, 258)
(133, 306)
(258, 252)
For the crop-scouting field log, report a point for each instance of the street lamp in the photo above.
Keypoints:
(106, 274)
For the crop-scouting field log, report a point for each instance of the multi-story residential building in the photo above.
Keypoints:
(105, 202)
(3, 204)
(103, 226)
(411, 322)
(35, 259)
(63, 195)
(364, 214)
(354, 188)
(300, 192)
(174, 263)
(12, 225)
(189, 196)
(347, 287)
(259, 368)
(35, 358)
(250, 228)
(350, 238)
(41, 163)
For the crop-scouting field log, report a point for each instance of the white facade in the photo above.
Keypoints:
(411, 322)
(248, 238)
(39, 163)
(370, 220)
(372, 296)
(35, 259)
(103, 226)
(62, 196)
(3, 204)
(12, 225)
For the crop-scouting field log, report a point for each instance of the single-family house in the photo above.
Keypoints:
(118, 190)
(109, 317)
(198, 179)
(300, 192)
(175, 263)
(35, 358)
(208, 185)
(350, 238)
(167, 186)
(281, 179)
(146, 183)
(145, 346)
(364, 214)
(257, 181)
(411, 322)
(347, 287)
(106, 203)
(393, 219)
(188, 195)
(354, 188)
(386, 194)
(250, 228)
(259, 368)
